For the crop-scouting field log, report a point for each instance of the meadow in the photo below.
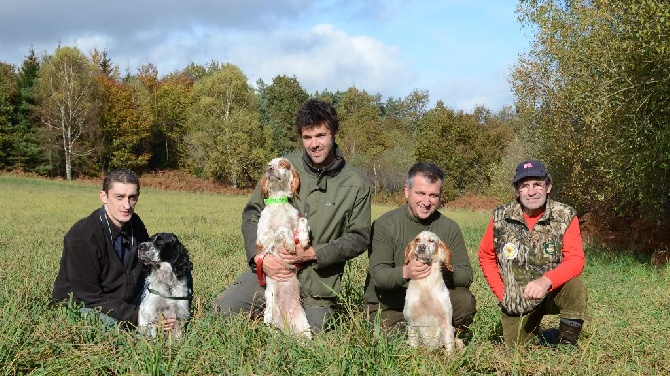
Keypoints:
(626, 335)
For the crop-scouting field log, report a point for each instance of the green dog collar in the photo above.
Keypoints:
(276, 200)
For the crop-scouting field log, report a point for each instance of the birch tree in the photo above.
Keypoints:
(66, 102)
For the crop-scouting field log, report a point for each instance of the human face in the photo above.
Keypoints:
(120, 202)
(319, 143)
(532, 193)
(424, 197)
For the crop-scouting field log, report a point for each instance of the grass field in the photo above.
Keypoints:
(627, 334)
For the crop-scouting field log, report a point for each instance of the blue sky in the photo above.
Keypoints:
(461, 51)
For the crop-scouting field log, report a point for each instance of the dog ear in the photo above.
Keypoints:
(181, 263)
(445, 254)
(408, 252)
(295, 182)
(264, 185)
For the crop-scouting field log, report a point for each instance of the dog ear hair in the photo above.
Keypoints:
(408, 251)
(181, 264)
(295, 182)
(445, 254)
(264, 185)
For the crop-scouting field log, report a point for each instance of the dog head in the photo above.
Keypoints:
(428, 248)
(165, 247)
(280, 179)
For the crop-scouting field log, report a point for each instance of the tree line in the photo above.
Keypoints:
(70, 114)
(592, 101)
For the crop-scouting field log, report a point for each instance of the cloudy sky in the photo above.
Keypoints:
(461, 51)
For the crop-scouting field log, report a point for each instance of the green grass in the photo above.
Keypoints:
(627, 333)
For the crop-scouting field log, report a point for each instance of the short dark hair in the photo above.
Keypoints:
(121, 175)
(314, 113)
(428, 170)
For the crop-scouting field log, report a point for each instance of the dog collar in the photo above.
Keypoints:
(276, 200)
(189, 296)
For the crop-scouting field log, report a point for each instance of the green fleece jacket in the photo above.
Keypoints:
(336, 202)
(390, 235)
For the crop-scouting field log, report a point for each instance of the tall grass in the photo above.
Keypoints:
(628, 300)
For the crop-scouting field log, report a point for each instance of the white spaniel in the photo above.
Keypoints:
(281, 226)
(428, 309)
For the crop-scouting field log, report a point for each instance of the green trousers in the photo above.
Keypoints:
(567, 301)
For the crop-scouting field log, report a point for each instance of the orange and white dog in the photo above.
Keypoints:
(428, 309)
(281, 226)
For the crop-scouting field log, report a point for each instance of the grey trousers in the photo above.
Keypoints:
(462, 301)
(244, 295)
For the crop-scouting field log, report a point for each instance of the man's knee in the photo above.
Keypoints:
(464, 305)
(318, 317)
(242, 296)
(389, 319)
(573, 299)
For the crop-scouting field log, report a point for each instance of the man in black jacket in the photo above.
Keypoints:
(99, 267)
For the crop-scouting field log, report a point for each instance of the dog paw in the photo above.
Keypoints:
(303, 232)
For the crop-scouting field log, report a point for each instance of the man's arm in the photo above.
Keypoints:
(250, 216)
(384, 272)
(356, 237)
(84, 272)
(489, 262)
(462, 273)
(573, 257)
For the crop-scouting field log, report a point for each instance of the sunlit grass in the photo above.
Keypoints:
(627, 333)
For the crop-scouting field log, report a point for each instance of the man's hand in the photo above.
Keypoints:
(301, 255)
(276, 268)
(168, 323)
(537, 288)
(415, 269)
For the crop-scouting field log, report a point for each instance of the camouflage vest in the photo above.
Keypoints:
(525, 255)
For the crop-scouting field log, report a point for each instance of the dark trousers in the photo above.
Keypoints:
(462, 301)
(568, 301)
(244, 295)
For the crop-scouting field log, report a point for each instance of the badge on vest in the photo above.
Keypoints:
(510, 251)
(550, 248)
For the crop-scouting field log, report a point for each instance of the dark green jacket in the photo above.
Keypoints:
(336, 203)
(390, 235)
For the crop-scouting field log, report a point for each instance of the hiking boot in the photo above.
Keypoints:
(568, 331)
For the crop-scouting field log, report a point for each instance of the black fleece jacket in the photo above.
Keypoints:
(91, 270)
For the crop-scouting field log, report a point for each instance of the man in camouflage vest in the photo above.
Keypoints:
(531, 255)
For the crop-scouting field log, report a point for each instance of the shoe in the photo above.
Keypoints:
(549, 337)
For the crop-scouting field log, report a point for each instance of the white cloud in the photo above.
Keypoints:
(322, 57)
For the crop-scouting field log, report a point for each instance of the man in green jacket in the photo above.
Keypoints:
(335, 198)
(388, 276)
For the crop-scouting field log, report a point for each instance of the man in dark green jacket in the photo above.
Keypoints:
(389, 277)
(335, 198)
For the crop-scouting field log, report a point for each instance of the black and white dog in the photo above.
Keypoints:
(168, 287)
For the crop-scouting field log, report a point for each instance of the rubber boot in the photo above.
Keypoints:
(568, 331)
